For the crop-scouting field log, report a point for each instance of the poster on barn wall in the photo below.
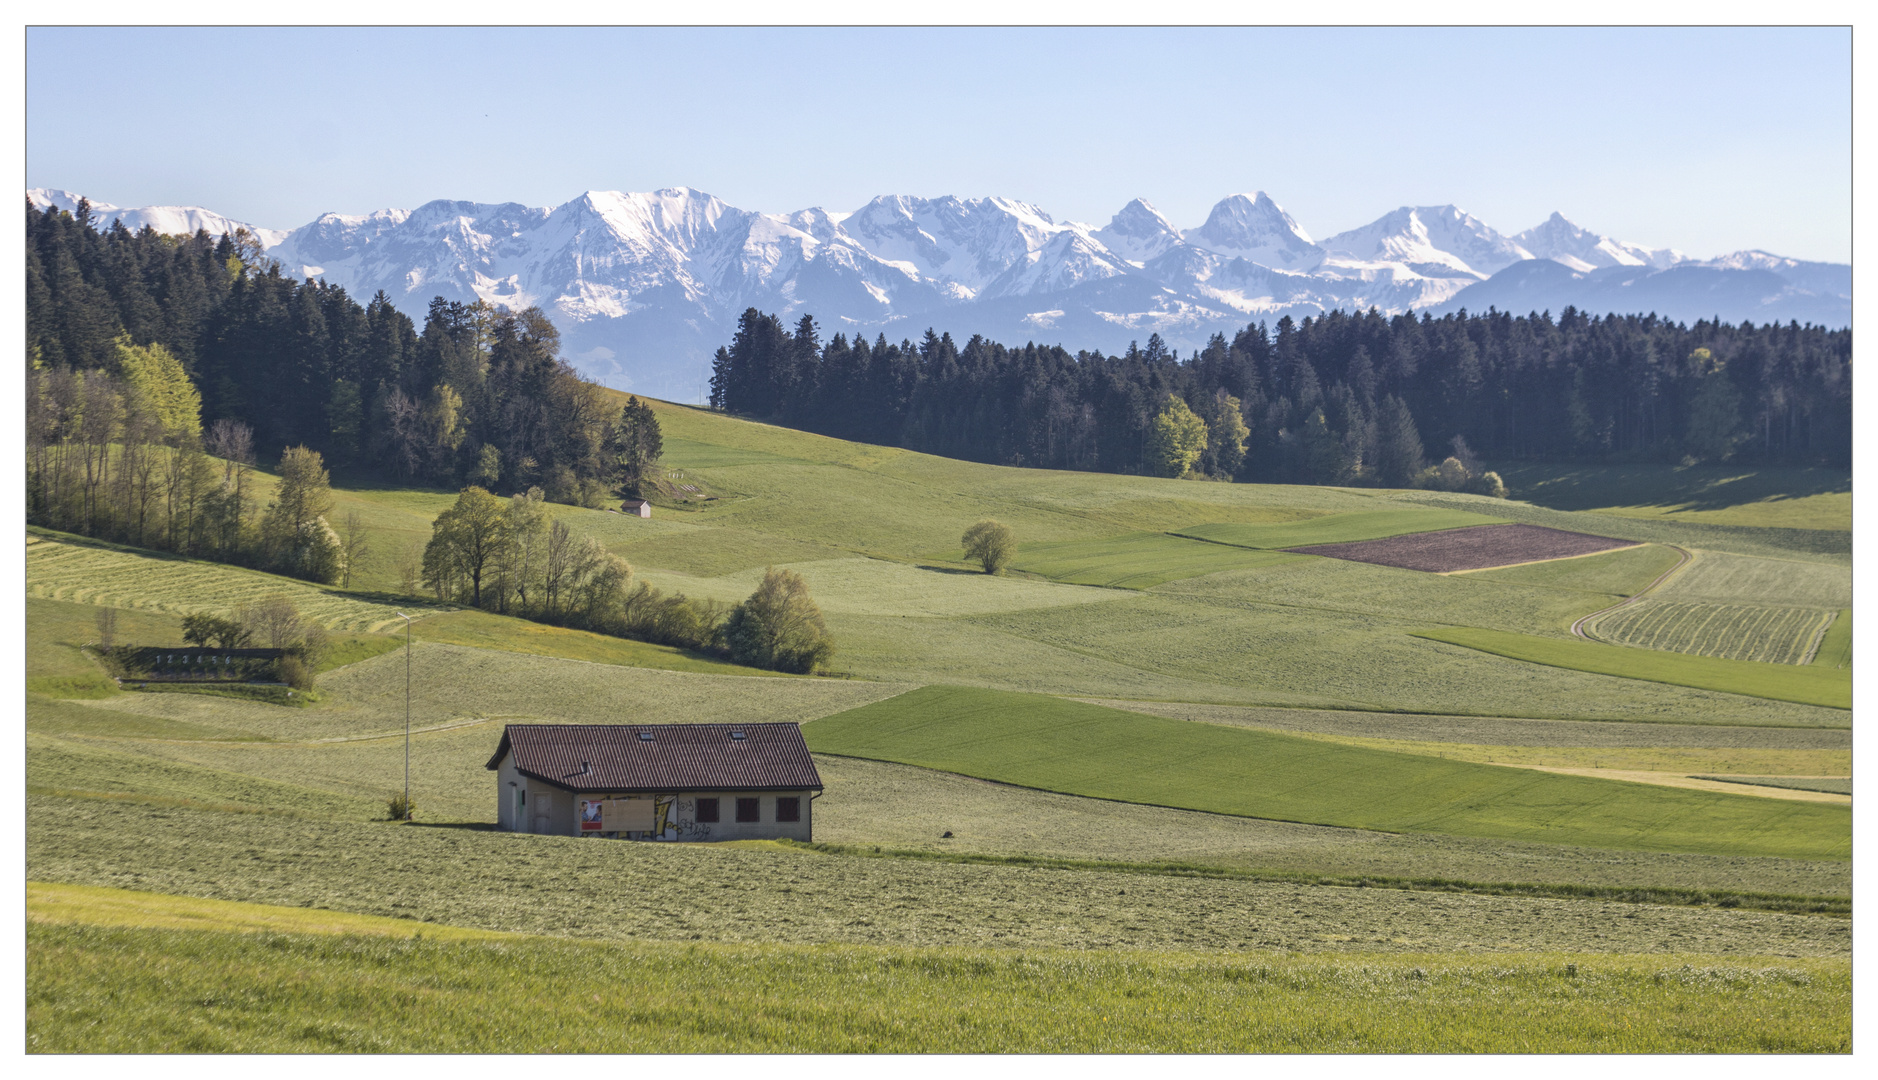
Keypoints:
(590, 815)
(626, 815)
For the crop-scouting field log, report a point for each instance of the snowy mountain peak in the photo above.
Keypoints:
(1433, 241)
(1138, 232)
(645, 285)
(1257, 229)
(164, 219)
(1583, 250)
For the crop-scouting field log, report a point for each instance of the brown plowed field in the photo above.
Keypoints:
(1476, 548)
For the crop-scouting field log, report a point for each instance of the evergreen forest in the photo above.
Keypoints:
(1338, 399)
(476, 395)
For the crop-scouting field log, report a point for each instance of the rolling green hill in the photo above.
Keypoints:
(1090, 750)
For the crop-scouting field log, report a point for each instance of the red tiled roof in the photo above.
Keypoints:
(677, 757)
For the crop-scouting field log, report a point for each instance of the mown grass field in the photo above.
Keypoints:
(1792, 498)
(84, 571)
(1137, 560)
(1810, 685)
(1107, 753)
(1338, 528)
(755, 892)
(1311, 662)
(116, 990)
(1768, 635)
(1835, 648)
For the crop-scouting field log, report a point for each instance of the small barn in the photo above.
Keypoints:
(636, 506)
(656, 781)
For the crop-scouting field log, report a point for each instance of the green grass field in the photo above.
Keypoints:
(1793, 498)
(1769, 635)
(1623, 572)
(1279, 687)
(1137, 560)
(1090, 750)
(118, 990)
(468, 875)
(83, 571)
(1810, 685)
(1835, 649)
(1338, 528)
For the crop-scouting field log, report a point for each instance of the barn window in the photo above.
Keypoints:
(749, 810)
(707, 811)
(789, 809)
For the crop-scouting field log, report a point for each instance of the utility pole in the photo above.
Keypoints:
(407, 714)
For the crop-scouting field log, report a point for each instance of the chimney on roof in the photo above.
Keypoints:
(585, 768)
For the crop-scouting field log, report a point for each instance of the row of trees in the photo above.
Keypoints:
(477, 395)
(120, 454)
(513, 557)
(1340, 399)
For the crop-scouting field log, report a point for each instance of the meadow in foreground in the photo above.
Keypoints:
(1650, 917)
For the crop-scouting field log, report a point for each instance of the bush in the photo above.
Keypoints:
(295, 672)
(779, 627)
(990, 543)
(1488, 483)
(399, 808)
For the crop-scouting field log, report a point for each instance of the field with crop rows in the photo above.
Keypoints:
(1772, 635)
(1835, 648)
(58, 569)
(1809, 685)
(1720, 577)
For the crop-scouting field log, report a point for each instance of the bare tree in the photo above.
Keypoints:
(107, 626)
(274, 620)
(354, 547)
(411, 568)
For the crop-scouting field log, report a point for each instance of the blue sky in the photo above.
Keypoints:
(1710, 140)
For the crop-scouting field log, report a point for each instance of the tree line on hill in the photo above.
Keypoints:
(1337, 399)
(511, 557)
(478, 395)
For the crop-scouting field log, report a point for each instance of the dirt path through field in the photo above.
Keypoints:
(1667, 779)
(1578, 628)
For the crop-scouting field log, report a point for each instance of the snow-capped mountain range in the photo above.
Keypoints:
(646, 285)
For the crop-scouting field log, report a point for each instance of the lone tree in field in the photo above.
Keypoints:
(779, 627)
(990, 543)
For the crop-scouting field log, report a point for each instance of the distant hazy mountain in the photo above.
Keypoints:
(164, 219)
(645, 286)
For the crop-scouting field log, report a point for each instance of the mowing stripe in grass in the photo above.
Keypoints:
(1835, 646)
(1081, 749)
(1723, 898)
(1810, 685)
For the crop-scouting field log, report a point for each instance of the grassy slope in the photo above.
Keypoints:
(1811, 685)
(1339, 528)
(1136, 560)
(121, 990)
(1795, 498)
(1107, 753)
(1835, 649)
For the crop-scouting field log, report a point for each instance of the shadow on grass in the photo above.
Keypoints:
(1695, 487)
